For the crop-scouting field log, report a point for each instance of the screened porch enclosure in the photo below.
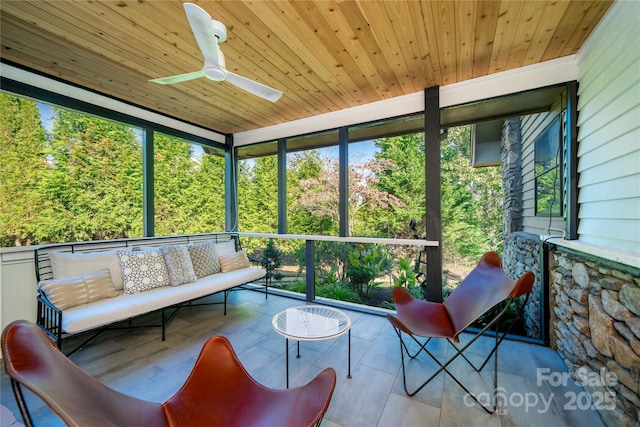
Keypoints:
(355, 183)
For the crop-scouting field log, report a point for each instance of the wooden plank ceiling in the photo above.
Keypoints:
(324, 55)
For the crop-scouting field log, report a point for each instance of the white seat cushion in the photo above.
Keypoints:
(101, 313)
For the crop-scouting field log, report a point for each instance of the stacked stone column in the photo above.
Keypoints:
(596, 327)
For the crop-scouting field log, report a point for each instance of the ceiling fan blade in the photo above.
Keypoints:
(255, 88)
(179, 78)
(202, 27)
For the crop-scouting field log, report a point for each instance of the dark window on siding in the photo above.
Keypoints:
(548, 172)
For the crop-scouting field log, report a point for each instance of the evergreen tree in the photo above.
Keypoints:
(471, 201)
(258, 195)
(188, 187)
(22, 169)
(173, 180)
(401, 173)
(207, 200)
(94, 188)
(84, 182)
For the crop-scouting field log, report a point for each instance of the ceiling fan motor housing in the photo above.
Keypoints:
(219, 30)
(214, 73)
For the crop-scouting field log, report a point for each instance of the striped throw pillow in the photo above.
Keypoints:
(234, 261)
(78, 290)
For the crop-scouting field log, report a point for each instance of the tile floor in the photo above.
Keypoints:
(140, 364)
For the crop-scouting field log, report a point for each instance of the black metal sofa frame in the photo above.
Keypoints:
(49, 317)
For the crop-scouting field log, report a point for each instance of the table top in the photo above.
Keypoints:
(311, 323)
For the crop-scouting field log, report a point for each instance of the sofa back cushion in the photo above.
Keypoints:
(67, 264)
(226, 248)
(74, 291)
(143, 270)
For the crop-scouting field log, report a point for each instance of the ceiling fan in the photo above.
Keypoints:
(209, 34)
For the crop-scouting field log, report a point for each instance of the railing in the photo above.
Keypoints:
(310, 250)
(18, 280)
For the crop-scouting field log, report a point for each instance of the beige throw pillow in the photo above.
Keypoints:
(178, 264)
(74, 291)
(234, 261)
(66, 264)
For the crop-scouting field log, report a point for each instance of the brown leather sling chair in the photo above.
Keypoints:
(484, 288)
(218, 392)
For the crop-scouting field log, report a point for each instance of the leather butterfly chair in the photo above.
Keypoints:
(218, 392)
(484, 288)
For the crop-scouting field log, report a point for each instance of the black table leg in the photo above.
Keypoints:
(349, 361)
(287, 353)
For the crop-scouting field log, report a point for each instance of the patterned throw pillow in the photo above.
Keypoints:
(74, 291)
(234, 261)
(143, 270)
(178, 264)
(204, 258)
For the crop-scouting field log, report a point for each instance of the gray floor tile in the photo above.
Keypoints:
(140, 364)
(401, 412)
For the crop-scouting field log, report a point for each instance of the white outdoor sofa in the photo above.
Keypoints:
(65, 271)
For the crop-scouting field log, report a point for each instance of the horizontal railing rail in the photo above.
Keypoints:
(310, 240)
(351, 239)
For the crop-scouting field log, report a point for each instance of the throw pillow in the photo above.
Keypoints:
(179, 264)
(143, 270)
(66, 264)
(204, 258)
(234, 261)
(74, 291)
(226, 248)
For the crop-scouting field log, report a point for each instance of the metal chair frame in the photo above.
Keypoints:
(499, 336)
(427, 319)
(218, 391)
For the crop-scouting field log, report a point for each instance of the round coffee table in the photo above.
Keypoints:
(312, 323)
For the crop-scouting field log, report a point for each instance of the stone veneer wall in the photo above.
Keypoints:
(521, 254)
(595, 321)
(521, 250)
(511, 161)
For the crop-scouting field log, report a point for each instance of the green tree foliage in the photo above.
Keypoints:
(471, 198)
(207, 201)
(272, 256)
(400, 169)
(173, 172)
(258, 195)
(548, 192)
(22, 170)
(189, 187)
(319, 199)
(305, 171)
(82, 180)
(471, 202)
(95, 179)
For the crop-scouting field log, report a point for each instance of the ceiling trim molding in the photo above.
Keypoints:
(534, 76)
(522, 79)
(93, 98)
